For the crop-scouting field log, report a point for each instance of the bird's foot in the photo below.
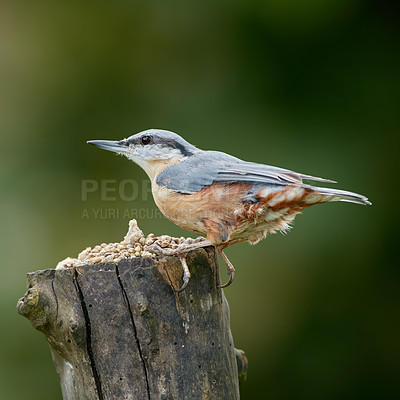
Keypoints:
(181, 252)
(186, 272)
(156, 249)
(185, 247)
(230, 269)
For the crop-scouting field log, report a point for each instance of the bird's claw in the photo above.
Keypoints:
(181, 252)
(231, 276)
(183, 287)
(186, 273)
(156, 249)
(230, 269)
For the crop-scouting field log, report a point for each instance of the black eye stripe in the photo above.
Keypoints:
(146, 139)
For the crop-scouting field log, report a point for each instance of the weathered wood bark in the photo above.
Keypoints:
(122, 332)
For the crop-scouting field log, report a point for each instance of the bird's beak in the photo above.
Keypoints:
(110, 145)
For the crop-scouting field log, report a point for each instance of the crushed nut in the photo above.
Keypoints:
(134, 244)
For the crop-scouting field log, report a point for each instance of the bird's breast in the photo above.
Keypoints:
(213, 205)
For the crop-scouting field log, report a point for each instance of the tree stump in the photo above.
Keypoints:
(121, 331)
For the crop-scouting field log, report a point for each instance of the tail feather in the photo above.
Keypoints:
(343, 195)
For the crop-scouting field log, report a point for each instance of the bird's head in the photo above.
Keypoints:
(153, 149)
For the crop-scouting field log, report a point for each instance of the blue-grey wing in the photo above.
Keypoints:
(206, 167)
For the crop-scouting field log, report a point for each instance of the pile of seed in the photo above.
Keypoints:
(134, 245)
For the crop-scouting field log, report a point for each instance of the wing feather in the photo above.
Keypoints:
(206, 167)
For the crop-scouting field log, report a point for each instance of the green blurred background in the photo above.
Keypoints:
(307, 85)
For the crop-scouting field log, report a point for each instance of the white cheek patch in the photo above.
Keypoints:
(157, 152)
(152, 153)
(147, 157)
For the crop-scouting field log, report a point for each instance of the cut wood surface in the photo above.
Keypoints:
(121, 331)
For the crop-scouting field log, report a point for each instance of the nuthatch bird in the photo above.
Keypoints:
(219, 196)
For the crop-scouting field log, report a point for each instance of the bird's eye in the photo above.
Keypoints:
(146, 139)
